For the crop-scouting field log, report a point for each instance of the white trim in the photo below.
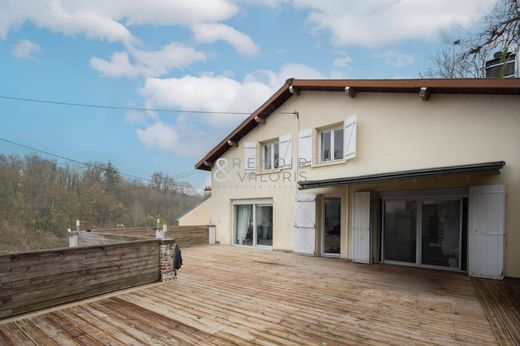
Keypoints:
(328, 163)
(425, 266)
(262, 201)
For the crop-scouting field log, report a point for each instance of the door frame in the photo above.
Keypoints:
(253, 203)
(322, 226)
(419, 197)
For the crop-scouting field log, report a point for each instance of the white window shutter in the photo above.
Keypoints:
(349, 141)
(305, 224)
(486, 225)
(250, 156)
(361, 227)
(305, 147)
(285, 151)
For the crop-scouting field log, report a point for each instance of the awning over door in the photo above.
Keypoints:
(416, 173)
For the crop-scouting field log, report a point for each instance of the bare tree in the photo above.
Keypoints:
(447, 63)
(466, 57)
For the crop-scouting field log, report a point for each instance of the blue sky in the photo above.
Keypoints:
(215, 55)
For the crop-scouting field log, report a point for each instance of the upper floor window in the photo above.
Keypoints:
(271, 156)
(331, 144)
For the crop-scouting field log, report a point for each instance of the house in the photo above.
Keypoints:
(200, 214)
(419, 173)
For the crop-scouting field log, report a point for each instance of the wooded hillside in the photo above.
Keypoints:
(40, 199)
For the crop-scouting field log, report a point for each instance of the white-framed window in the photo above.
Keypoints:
(271, 155)
(331, 144)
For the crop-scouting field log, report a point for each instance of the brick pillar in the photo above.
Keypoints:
(166, 259)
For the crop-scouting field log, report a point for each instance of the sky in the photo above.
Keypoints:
(210, 55)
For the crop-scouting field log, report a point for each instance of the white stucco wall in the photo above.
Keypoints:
(395, 132)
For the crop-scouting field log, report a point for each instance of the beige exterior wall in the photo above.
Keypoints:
(395, 132)
(200, 215)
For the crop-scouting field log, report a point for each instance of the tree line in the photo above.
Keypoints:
(40, 200)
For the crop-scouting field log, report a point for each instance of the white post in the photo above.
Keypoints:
(73, 238)
(212, 234)
(77, 225)
(161, 234)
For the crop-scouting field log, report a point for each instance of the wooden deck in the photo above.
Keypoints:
(501, 301)
(233, 295)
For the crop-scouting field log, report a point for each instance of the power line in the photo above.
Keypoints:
(181, 174)
(128, 108)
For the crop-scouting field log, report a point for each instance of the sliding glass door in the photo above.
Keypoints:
(441, 237)
(264, 225)
(331, 233)
(244, 224)
(424, 232)
(400, 231)
(253, 223)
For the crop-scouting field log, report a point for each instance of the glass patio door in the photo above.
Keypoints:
(441, 237)
(253, 224)
(243, 224)
(400, 225)
(264, 225)
(423, 232)
(331, 226)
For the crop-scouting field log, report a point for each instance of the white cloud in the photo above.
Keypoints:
(374, 23)
(109, 20)
(220, 93)
(212, 32)
(181, 139)
(25, 49)
(343, 60)
(66, 17)
(147, 63)
(118, 66)
(397, 58)
(192, 134)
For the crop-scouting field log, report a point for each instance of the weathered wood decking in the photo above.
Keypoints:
(227, 295)
(501, 301)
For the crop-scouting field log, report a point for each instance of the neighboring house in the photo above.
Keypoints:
(421, 173)
(200, 214)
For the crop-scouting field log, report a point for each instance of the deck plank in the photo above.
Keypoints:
(501, 302)
(228, 295)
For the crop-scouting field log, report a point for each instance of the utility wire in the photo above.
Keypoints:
(128, 108)
(182, 174)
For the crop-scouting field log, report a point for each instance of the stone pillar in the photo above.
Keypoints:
(166, 259)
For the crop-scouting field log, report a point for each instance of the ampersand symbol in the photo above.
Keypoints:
(220, 174)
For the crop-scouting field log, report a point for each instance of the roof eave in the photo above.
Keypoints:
(400, 175)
